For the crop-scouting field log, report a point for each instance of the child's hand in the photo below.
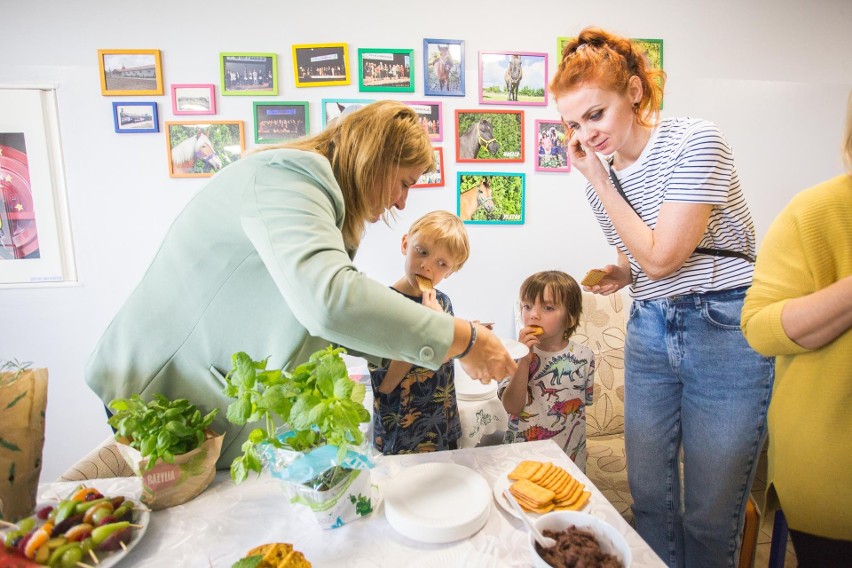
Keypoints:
(529, 335)
(430, 300)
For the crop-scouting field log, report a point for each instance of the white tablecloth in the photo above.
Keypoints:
(483, 422)
(220, 525)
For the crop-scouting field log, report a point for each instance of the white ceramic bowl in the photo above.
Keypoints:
(609, 539)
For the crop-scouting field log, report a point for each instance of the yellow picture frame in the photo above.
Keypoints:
(321, 64)
(126, 72)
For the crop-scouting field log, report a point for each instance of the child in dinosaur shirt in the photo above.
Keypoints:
(547, 397)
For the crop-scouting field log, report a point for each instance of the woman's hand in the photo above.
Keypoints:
(488, 359)
(617, 277)
(587, 162)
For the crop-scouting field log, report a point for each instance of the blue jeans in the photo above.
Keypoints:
(692, 383)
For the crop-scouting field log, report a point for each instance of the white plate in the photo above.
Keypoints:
(471, 389)
(437, 502)
(516, 349)
(503, 482)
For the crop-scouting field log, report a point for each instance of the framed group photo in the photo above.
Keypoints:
(431, 118)
(436, 178)
(443, 67)
(249, 73)
(130, 72)
(135, 117)
(491, 197)
(551, 146)
(279, 121)
(389, 70)
(490, 136)
(200, 149)
(193, 99)
(321, 64)
(512, 78)
(332, 108)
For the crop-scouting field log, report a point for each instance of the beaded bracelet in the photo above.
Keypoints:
(470, 343)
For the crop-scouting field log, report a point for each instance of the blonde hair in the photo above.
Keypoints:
(366, 147)
(609, 61)
(847, 136)
(448, 229)
(566, 293)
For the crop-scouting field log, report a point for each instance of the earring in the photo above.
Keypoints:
(635, 108)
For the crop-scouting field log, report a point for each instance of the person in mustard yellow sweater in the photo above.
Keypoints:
(799, 309)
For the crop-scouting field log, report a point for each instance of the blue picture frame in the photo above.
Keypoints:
(443, 79)
(135, 117)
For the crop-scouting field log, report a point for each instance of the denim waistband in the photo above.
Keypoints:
(697, 298)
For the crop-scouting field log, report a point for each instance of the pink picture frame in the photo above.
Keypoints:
(193, 98)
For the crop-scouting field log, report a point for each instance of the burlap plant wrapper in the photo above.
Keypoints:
(23, 401)
(169, 484)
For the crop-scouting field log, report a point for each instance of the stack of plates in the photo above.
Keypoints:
(437, 502)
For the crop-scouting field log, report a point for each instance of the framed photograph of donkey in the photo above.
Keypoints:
(443, 67)
(512, 78)
(200, 149)
(492, 136)
(431, 118)
(491, 198)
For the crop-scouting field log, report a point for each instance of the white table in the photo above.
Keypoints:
(483, 422)
(220, 525)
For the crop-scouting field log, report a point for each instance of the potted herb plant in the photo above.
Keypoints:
(169, 444)
(310, 435)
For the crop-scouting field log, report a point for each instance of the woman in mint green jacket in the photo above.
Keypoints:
(260, 260)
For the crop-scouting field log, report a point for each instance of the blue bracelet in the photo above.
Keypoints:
(470, 343)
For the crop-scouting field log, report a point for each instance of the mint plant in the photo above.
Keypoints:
(317, 401)
(160, 429)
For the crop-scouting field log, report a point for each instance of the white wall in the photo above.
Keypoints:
(774, 74)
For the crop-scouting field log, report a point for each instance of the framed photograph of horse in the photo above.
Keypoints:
(135, 117)
(332, 108)
(193, 99)
(389, 70)
(492, 136)
(443, 67)
(249, 73)
(200, 149)
(488, 198)
(431, 118)
(321, 64)
(130, 72)
(436, 178)
(551, 147)
(512, 78)
(277, 121)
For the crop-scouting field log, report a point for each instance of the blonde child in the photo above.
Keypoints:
(415, 409)
(547, 397)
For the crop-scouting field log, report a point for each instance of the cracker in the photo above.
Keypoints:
(424, 283)
(542, 472)
(537, 329)
(592, 277)
(524, 470)
(578, 504)
(531, 492)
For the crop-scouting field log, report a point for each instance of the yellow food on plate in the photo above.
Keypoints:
(279, 555)
(543, 486)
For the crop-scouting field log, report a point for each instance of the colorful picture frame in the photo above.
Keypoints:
(332, 108)
(321, 64)
(489, 136)
(652, 47)
(248, 73)
(436, 178)
(193, 99)
(130, 72)
(431, 117)
(443, 67)
(490, 198)
(551, 146)
(279, 121)
(386, 70)
(135, 117)
(201, 148)
(513, 78)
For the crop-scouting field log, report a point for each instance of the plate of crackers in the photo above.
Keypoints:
(541, 487)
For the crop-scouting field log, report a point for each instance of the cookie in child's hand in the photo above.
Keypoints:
(592, 277)
(424, 283)
(537, 329)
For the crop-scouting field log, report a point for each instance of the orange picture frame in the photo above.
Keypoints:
(125, 72)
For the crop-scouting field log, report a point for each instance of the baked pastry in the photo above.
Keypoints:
(279, 555)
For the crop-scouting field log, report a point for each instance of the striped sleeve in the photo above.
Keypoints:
(703, 167)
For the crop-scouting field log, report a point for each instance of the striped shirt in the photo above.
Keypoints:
(688, 161)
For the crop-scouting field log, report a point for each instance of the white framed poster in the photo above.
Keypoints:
(35, 232)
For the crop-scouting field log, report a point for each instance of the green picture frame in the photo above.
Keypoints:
(386, 70)
(280, 121)
(248, 74)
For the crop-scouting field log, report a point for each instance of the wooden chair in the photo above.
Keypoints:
(751, 528)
